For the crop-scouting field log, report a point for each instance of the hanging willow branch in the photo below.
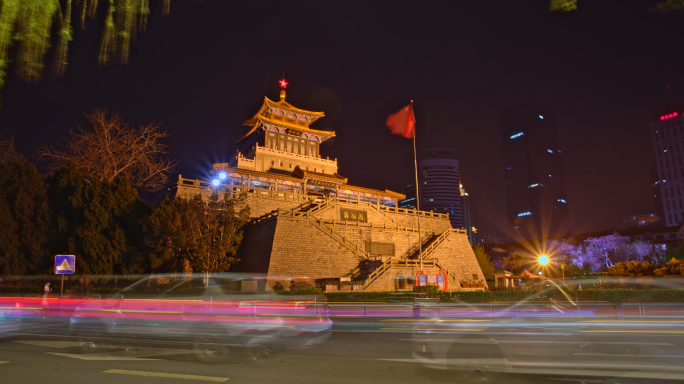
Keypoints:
(31, 26)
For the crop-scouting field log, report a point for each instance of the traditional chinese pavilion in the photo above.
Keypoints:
(281, 151)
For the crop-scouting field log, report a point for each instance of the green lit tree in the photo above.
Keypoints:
(562, 5)
(28, 28)
(665, 6)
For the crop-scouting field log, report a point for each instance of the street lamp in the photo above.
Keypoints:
(543, 259)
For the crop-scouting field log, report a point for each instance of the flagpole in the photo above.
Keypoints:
(415, 165)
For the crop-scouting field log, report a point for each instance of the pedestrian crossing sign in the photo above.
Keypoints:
(65, 264)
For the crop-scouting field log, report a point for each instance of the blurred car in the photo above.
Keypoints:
(550, 330)
(209, 314)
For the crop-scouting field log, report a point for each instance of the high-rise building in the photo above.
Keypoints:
(537, 205)
(439, 185)
(667, 136)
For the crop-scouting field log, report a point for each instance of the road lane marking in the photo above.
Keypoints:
(626, 331)
(630, 321)
(141, 353)
(167, 375)
(624, 355)
(433, 329)
(96, 356)
(538, 342)
(50, 344)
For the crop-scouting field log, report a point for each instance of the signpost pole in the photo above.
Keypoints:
(64, 264)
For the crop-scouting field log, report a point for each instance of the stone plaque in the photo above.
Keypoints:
(353, 215)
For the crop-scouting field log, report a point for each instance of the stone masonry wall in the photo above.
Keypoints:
(456, 255)
(300, 249)
(295, 247)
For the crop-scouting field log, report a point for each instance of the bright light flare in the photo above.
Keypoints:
(222, 175)
(543, 259)
(216, 182)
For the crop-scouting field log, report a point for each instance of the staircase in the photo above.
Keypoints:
(429, 246)
(308, 209)
(386, 266)
(361, 253)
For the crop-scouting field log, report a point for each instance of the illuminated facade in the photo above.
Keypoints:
(537, 205)
(308, 222)
(667, 138)
(439, 179)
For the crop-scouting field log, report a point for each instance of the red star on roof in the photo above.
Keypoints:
(283, 83)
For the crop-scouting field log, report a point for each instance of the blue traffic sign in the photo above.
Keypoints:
(65, 264)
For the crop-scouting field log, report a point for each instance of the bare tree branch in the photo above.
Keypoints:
(7, 150)
(110, 147)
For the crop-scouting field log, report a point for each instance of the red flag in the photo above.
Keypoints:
(403, 123)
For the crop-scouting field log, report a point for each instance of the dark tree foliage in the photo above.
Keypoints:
(24, 219)
(196, 233)
(631, 269)
(674, 268)
(484, 261)
(100, 222)
(517, 262)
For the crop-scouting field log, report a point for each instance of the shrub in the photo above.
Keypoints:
(308, 291)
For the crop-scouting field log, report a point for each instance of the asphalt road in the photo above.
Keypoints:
(371, 350)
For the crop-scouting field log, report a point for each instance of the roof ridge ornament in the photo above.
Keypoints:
(283, 85)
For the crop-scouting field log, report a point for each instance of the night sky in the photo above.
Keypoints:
(607, 70)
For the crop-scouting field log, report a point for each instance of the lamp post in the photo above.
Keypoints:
(562, 265)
